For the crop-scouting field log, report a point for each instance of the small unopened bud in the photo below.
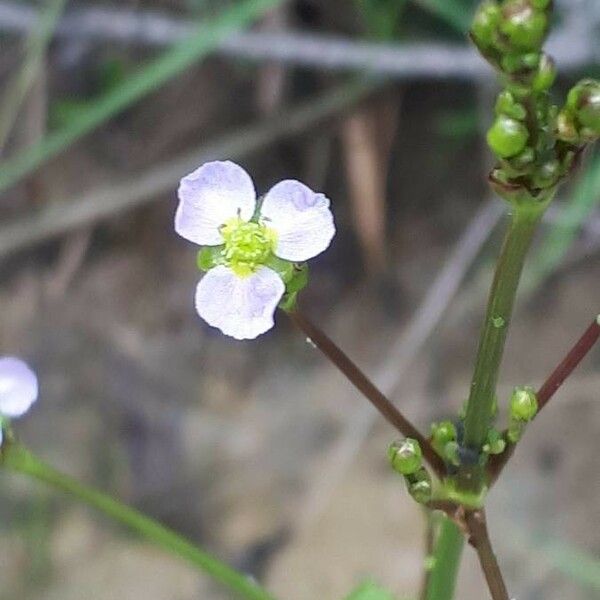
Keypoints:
(442, 433)
(547, 175)
(421, 491)
(566, 127)
(495, 443)
(523, 404)
(405, 456)
(507, 137)
(584, 103)
(508, 106)
(546, 74)
(524, 25)
(452, 453)
(485, 23)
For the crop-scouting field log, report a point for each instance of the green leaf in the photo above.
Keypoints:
(169, 64)
(370, 591)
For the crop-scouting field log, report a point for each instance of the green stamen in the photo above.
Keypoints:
(248, 245)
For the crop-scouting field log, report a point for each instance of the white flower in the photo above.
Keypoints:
(18, 388)
(218, 207)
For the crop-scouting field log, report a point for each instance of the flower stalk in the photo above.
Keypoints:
(480, 540)
(18, 459)
(578, 352)
(481, 403)
(387, 409)
(445, 562)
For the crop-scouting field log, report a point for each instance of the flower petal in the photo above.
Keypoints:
(18, 387)
(301, 218)
(241, 307)
(210, 196)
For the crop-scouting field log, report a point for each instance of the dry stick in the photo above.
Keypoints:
(479, 538)
(573, 45)
(577, 353)
(368, 389)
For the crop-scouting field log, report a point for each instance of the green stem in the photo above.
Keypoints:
(18, 459)
(480, 406)
(441, 582)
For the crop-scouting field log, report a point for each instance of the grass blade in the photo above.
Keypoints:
(35, 48)
(152, 76)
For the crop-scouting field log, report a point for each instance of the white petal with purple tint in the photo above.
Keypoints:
(18, 387)
(301, 218)
(241, 307)
(210, 196)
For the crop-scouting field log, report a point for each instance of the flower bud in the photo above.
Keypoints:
(507, 137)
(547, 175)
(546, 74)
(523, 404)
(405, 456)
(441, 434)
(422, 489)
(485, 23)
(508, 106)
(495, 443)
(452, 453)
(584, 102)
(524, 25)
(567, 128)
(515, 431)
(522, 163)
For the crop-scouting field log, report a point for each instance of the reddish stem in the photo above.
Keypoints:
(368, 389)
(577, 353)
(567, 366)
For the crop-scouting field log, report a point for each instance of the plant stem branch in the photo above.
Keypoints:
(480, 406)
(480, 540)
(367, 388)
(441, 581)
(578, 352)
(18, 459)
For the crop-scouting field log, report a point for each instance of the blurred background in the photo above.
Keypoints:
(260, 451)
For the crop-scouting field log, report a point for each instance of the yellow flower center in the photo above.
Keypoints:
(248, 245)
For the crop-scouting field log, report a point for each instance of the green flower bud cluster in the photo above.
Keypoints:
(406, 459)
(535, 143)
(510, 35)
(579, 121)
(523, 408)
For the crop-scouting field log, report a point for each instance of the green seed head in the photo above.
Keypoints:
(507, 137)
(248, 245)
(523, 404)
(405, 456)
